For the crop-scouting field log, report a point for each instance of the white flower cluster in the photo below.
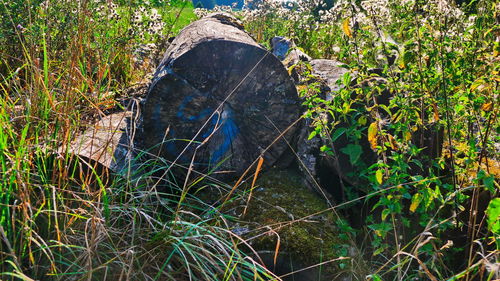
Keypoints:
(146, 22)
(107, 10)
(367, 14)
(223, 9)
(79, 4)
(377, 10)
(445, 13)
(101, 10)
(201, 12)
(293, 11)
(380, 11)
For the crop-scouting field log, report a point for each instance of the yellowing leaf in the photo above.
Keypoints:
(277, 250)
(346, 107)
(379, 175)
(415, 201)
(257, 171)
(436, 112)
(393, 142)
(302, 88)
(372, 135)
(407, 136)
(448, 245)
(479, 85)
(487, 106)
(385, 213)
(347, 28)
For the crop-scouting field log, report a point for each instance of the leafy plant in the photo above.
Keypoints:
(436, 62)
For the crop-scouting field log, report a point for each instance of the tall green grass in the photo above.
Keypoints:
(63, 65)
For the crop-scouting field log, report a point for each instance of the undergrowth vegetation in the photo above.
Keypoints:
(440, 65)
(65, 64)
(431, 214)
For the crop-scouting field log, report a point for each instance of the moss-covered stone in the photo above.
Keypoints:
(282, 206)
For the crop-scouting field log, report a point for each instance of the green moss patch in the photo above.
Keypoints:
(281, 206)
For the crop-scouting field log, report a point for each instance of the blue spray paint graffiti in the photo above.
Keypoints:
(227, 130)
(182, 107)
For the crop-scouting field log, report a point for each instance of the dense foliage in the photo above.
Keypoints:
(64, 64)
(440, 64)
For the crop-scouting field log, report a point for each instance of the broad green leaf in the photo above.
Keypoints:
(312, 135)
(488, 180)
(386, 109)
(327, 150)
(346, 79)
(408, 57)
(493, 216)
(378, 251)
(354, 151)
(338, 132)
(362, 120)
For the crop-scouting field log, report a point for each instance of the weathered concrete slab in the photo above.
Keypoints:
(106, 142)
